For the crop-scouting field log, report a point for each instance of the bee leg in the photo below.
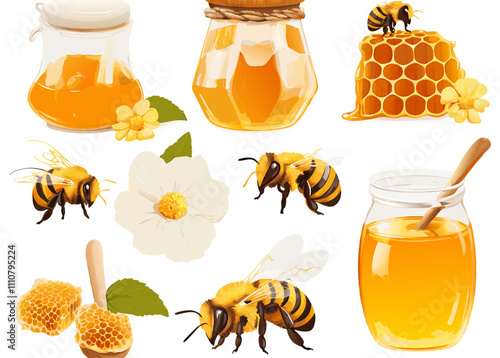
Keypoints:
(311, 204)
(262, 327)
(239, 332)
(48, 213)
(292, 333)
(221, 340)
(61, 201)
(285, 191)
(84, 210)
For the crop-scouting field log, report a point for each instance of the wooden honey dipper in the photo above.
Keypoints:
(95, 265)
(470, 159)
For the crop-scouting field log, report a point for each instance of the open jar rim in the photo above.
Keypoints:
(417, 188)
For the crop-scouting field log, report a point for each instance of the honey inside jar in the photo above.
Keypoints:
(83, 91)
(254, 76)
(417, 286)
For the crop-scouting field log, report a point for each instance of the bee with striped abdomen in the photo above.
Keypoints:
(315, 179)
(265, 295)
(62, 183)
(386, 16)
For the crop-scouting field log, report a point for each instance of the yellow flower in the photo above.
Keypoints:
(137, 123)
(464, 100)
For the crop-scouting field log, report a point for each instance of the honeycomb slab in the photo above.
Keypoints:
(49, 307)
(403, 75)
(102, 331)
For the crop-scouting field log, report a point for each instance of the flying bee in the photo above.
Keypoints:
(62, 183)
(265, 295)
(315, 179)
(386, 16)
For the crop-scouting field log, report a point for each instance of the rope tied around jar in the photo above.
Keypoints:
(244, 14)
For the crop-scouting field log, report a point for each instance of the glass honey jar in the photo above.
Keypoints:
(417, 286)
(255, 71)
(85, 73)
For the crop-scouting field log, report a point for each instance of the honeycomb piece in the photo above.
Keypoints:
(102, 331)
(403, 75)
(49, 307)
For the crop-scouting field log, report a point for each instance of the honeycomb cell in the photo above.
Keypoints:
(426, 88)
(442, 85)
(435, 71)
(367, 51)
(373, 70)
(424, 53)
(413, 40)
(442, 51)
(372, 105)
(49, 307)
(113, 336)
(393, 72)
(394, 41)
(364, 87)
(383, 54)
(432, 39)
(376, 40)
(404, 88)
(415, 105)
(452, 70)
(434, 105)
(419, 34)
(381, 87)
(415, 71)
(403, 54)
(393, 105)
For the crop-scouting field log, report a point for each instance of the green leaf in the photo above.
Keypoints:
(167, 111)
(133, 297)
(181, 148)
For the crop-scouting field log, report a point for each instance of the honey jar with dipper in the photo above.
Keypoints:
(255, 71)
(417, 260)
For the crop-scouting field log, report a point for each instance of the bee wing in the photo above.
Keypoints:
(29, 176)
(286, 262)
(52, 157)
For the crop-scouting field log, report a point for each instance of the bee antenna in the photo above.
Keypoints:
(194, 330)
(110, 181)
(188, 311)
(103, 199)
(43, 170)
(242, 159)
(248, 179)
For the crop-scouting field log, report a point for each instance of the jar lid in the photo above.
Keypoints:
(255, 3)
(86, 14)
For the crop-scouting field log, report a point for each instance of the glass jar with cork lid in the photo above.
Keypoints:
(255, 71)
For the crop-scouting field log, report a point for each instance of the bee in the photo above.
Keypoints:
(315, 179)
(62, 183)
(386, 16)
(265, 295)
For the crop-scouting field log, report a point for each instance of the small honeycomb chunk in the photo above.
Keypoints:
(402, 75)
(102, 331)
(49, 307)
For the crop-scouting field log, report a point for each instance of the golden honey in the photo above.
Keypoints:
(255, 76)
(83, 91)
(417, 286)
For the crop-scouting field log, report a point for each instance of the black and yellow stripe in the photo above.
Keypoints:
(43, 191)
(292, 300)
(324, 183)
(376, 19)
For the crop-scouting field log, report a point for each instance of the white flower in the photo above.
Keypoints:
(171, 208)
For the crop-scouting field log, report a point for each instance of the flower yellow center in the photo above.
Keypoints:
(173, 206)
(466, 102)
(136, 123)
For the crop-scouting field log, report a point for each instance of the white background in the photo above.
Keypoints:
(167, 39)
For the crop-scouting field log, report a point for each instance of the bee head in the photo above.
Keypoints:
(268, 171)
(213, 320)
(406, 13)
(90, 191)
